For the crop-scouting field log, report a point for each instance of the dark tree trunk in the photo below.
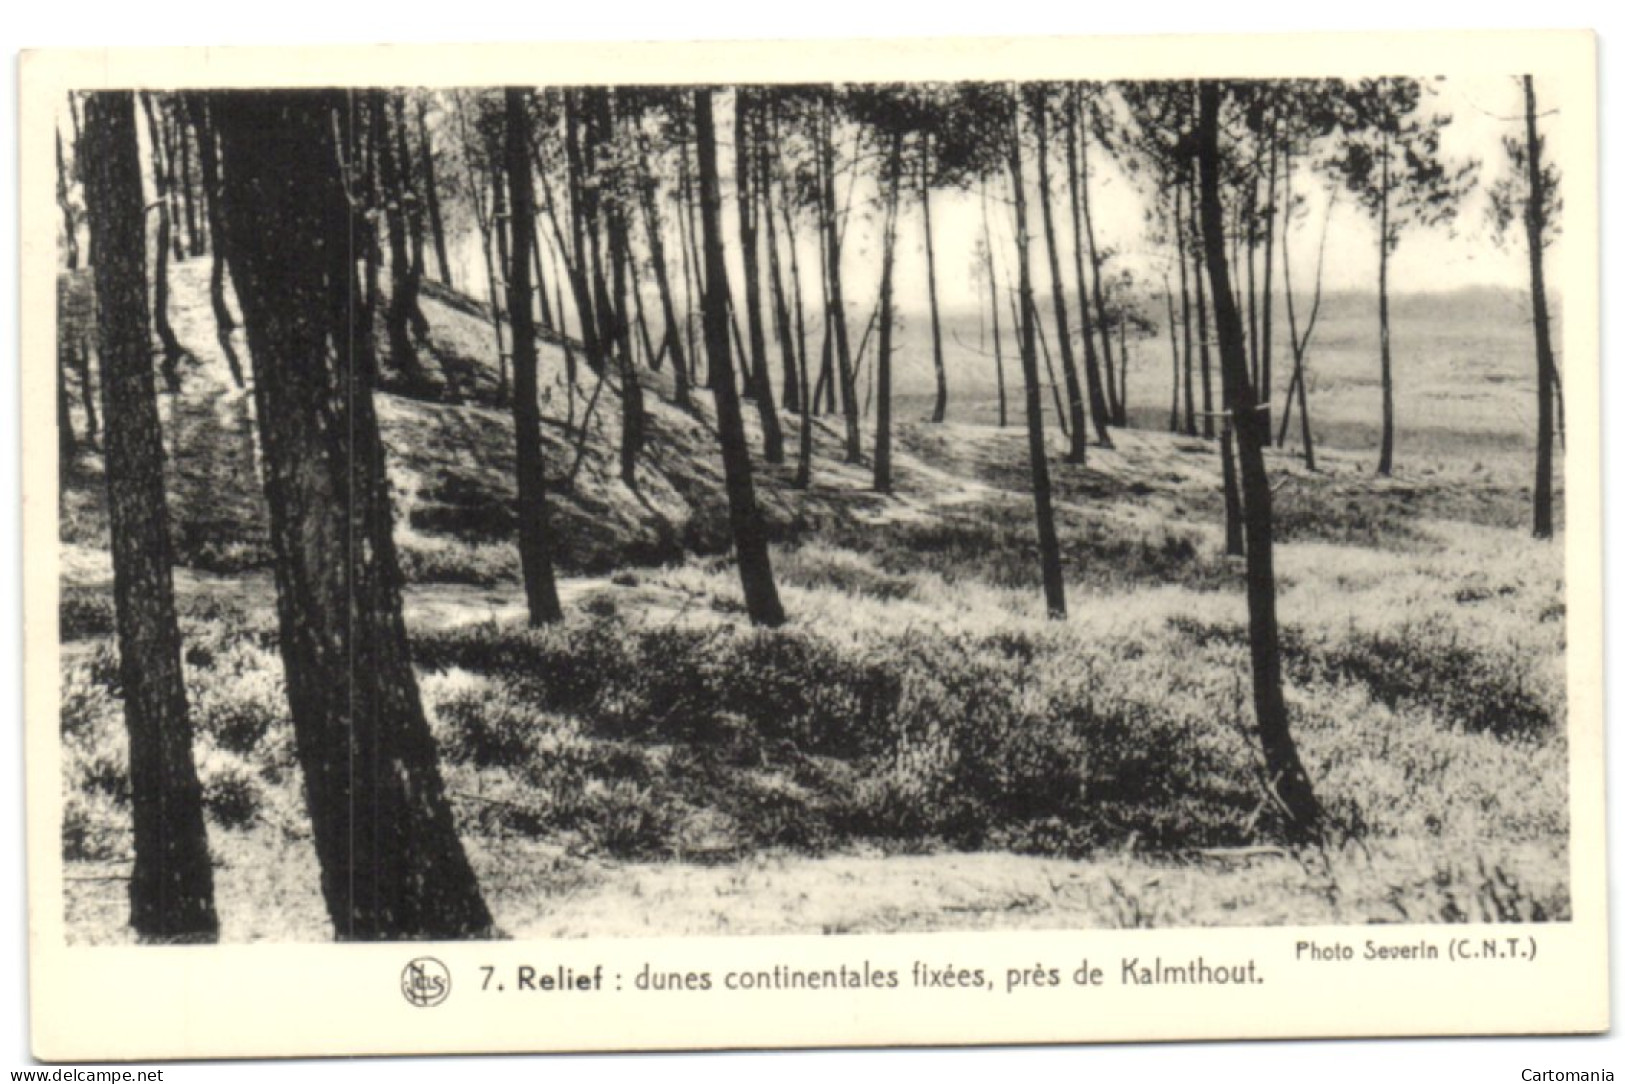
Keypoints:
(1113, 394)
(87, 392)
(172, 349)
(487, 228)
(392, 865)
(1286, 777)
(1204, 338)
(64, 202)
(883, 375)
(837, 304)
(749, 531)
(67, 446)
(1545, 363)
(411, 206)
(197, 108)
(1385, 461)
(1266, 345)
(194, 239)
(757, 382)
(782, 327)
(1180, 228)
(402, 314)
(939, 409)
(1300, 344)
(1049, 546)
(166, 128)
(1234, 540)
(1078, 428)
(172, 884)
(649, 194)
(993, 297)
(431, 191)
(535, 541)
(1173, 352)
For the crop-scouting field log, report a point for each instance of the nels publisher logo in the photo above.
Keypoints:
(425, 982)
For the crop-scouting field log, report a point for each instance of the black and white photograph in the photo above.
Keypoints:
(543, 512)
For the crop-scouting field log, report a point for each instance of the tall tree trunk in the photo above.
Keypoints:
(1545, 363)
(883, 376)
(1203, 337)
(197, 109)
(535, 541)
(172, 884)
(649, 195)
(1180, 228)
(431, 192)
(194, 239)
(488, 229)
(1173, 352)
(837, 304)
(782, 328)
(64, 202)
(993, 298)
(1063, 330)
(172, 349)
(392, 865)
(1300, 344)
(1385, 461)
(1102, 321)
(939, 409)
(1049, 546)
(67, 446)
(1266, 343)
(411, 206)
(1234, 540)
(399, 316)
(1100, 405)
(1286, 777)
(749, 531)
(757, 382)
(166, 128)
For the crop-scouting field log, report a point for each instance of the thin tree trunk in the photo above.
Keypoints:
(647, 189)
(883, 375)
(1545, 363)
(757, 382)
(535, 540)
(1079, 433)
(399, 316)
(173, 351)
(1173, 352)
(1203, 338)
(431, 191)
(197, 109)
(1234, 542)
(194, 239)
(1049, 547)
(837, 304)
(412, 211)
(1266, 344)
(749, 531)
(1286, 777)
(993, 298)
(791, 394)
(939, 409)
(1385, 461)
(1113, 395)
(70, 218)
(392, 866)
(172, 883)
(1185, 309)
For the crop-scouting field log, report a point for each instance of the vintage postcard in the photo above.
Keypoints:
(547, 548)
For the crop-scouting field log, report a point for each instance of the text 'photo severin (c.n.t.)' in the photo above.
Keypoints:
(861, 543)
